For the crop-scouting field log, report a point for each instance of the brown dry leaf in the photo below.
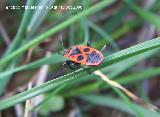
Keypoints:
(126, 91)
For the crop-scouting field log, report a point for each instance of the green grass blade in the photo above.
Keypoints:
(132, 51)
(71, 32)
(15, 44)
(116, 70)
(4, 82)
(38, 16)
(104, 35)
(128, 26)
(21, 31)
(146, 15)
(138, 76)
(42, 61)
(54, 30)
(85, 23)
(145, 74)
(34, 91)
(49, 96)
(122, 80)
(130, 104)
(114, 58)
(126, 99)
(117, 104)
(124, 29)
(116, 19)
(85, 29)
(54, 59)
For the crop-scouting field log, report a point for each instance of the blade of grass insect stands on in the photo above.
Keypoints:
(114, 58)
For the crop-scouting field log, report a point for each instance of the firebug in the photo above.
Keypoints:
(82, 55)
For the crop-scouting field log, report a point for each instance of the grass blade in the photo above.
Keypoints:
(114, 58)
(126, 91)
(147, 15)
(54, 30)
(54, 59)
(19, 36)
(15, 44)
(38, 16)
(117, 104)
(104, 35)
(122, 80)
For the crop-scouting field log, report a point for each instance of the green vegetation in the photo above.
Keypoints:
(128, 28)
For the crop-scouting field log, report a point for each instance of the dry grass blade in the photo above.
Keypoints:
(28, 104)
(127, 92)
(4, 34)
(18, 110)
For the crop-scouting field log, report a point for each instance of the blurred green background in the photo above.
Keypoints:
(129, 28)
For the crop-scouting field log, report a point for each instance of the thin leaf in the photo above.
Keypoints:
(104, 35)
(116, 70)
(114, 58)
(146, 15)
(15, 44)
(116, 19)
(117, 104)
(39, 15)
(21, 30)
(47, 60)
(54, 30)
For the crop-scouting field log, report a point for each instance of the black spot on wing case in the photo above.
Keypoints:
(86, 50)
(80, 58)
(93, 57)
(75, 51)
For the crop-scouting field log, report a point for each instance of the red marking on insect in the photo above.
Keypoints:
(82, 55)
(85, 55)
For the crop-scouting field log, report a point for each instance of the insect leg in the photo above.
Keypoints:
(103, 48)
(62, 43)
(87, 70)
(88, 44)
(68, 64)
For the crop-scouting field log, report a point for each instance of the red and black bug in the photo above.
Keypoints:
(85, 55)
(82, 55)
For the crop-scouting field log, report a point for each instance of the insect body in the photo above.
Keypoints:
(85, 55)
(82, 55)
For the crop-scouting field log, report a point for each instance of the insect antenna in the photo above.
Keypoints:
(103, 48)
(62, 43)
(44, 50)
(48, 50)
